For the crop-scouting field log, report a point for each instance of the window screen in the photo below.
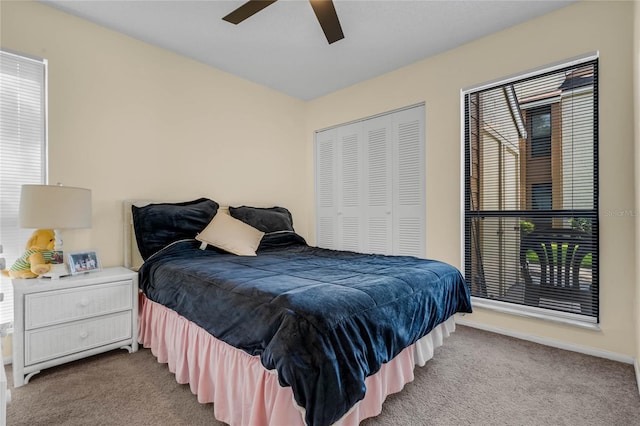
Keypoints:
(531, 190)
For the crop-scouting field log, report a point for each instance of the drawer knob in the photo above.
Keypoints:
(84, 335)
(84, 301)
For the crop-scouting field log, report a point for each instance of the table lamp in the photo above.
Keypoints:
(55, 207)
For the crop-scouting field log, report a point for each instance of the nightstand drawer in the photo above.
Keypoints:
(57, 341)
(55, 307)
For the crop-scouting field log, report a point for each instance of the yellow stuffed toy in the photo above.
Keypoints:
(36, 260)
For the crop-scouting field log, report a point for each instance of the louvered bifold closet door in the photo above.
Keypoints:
(326, 189)
(409, 186)
(350, 187)
(378, 181)
(370, 189)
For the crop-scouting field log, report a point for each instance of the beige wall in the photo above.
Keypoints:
(132, 121)
(606, 27)
(129, 120)
(636, 91)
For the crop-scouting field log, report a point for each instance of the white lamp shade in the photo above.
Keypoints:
(55, 207)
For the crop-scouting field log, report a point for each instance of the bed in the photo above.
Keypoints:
(285, 333)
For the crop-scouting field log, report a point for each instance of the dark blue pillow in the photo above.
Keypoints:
(280, 239)
(157, 225)
(266, 219)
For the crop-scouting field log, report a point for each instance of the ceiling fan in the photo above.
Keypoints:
(324, 10)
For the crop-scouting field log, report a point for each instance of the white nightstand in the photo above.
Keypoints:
(57, 321)
(5, 394)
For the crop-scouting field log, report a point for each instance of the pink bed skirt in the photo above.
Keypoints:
(242, 391)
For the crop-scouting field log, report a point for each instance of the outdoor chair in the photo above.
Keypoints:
(561, 275)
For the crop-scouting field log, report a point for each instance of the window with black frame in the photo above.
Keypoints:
(531, 192)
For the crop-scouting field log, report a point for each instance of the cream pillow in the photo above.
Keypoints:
(232, 235)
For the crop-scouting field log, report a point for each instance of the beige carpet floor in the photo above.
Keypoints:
(476, 378)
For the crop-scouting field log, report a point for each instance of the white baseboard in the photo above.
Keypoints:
(636, 366)
(600, 353)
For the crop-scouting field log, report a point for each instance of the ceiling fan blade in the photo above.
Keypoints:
(247, 10)
(328, 19)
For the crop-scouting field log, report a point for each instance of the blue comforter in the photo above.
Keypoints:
(324, 319)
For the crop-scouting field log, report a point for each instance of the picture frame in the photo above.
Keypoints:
(57, 257)
(81, 262)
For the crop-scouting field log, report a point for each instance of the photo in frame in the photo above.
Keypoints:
(56, 257)
(83, 261)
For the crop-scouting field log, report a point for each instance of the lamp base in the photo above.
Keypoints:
(57, 271)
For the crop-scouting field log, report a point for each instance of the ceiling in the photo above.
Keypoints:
(284, 48)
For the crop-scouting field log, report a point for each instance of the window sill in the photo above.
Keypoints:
(566, 318)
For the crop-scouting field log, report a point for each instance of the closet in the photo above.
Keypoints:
(370, 184)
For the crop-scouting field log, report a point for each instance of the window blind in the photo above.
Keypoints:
(531, 190)
(22, 153)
